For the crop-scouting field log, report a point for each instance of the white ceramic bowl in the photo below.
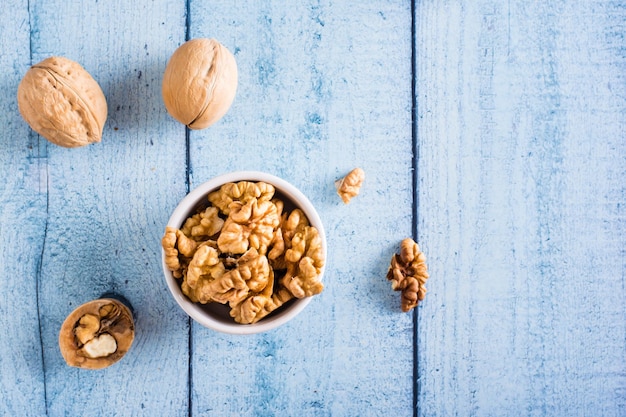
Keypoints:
(214, 315)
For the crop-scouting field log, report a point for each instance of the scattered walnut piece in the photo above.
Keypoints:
(229, 252)
(408, 273)
(350, 185)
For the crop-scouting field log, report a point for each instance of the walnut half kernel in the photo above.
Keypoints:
(408, 273)
(349, 186)
(97, 334)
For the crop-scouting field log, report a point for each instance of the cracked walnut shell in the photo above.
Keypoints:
(408, 273)
(97, 334)
(199, 82)
(60, 100)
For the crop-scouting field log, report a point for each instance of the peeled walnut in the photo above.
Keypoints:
(205, 266)
(242, 191)
(408, 273)
(250, 225)
(304, 264)
(291, 223)
(252, 308)
(204, 224)
(199, 83)
(97, 334)
(350, 185)
(60, 100)
(250, 275)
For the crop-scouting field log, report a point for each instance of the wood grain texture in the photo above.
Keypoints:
(107, 204)
(22, 226)
(324, 87)
(520, 140)
(521, 173)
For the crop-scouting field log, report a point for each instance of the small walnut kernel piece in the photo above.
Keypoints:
(242, 191)
(205, 266)
(294, 223)
(100, 346)
(87, 328)
(277, 244)
(254, 269)
(201, 263)
(251, 274)
(249, 225)
(304, 264)
(290, 224)
(186, 246)
(204, 224)
(253, 307)
(408, 273)
(168, 242)
(350, 185)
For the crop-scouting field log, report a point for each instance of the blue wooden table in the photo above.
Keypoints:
(492, 132)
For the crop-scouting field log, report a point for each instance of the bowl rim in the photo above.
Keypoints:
(183, 211)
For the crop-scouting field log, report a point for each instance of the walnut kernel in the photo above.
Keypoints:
(408, 273)
(350, 185)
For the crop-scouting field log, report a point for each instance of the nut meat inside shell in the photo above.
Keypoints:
(97, 334)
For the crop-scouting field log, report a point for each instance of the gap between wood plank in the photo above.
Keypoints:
(415, 203)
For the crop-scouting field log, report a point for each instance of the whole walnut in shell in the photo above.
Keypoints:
(199, 83)
(60, 100)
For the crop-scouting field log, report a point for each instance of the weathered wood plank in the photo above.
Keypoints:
(108, 203)
(324, 87)
(22, 228)
(521, 207)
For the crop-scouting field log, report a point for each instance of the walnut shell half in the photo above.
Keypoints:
(97, 334)
(199, 83)
(60, 100)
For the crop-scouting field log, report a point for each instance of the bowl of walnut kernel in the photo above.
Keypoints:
(244, 252)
